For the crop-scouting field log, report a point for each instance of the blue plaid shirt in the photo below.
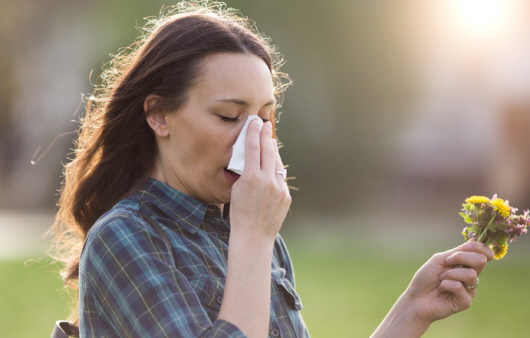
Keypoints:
(130, 285)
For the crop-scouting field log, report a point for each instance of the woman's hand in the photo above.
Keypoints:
(439, 289)
(260, 201)
(260, 197)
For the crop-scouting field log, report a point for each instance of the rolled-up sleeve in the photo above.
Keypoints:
(130, 287)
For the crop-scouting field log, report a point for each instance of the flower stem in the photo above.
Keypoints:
(483, 234)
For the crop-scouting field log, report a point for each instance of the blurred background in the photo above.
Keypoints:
(399, 111)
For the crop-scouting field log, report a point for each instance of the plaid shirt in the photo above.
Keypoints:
(130, 285)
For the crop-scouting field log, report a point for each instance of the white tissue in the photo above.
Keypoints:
(237, 162)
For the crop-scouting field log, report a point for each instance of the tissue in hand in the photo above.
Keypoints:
(237, 162)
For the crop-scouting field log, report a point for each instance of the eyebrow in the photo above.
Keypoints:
(244, 103)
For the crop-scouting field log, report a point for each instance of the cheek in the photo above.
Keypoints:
(208, 144)
(232, 135)
(224, 138)
(230, 140)
(215, 146)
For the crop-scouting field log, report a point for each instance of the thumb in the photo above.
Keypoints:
(442, 256)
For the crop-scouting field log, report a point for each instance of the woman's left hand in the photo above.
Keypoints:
(441, 288)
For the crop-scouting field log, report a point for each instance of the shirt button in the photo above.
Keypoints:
(226, 235)
(275, 333)
(219, 300)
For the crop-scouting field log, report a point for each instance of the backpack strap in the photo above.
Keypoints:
(64, 329)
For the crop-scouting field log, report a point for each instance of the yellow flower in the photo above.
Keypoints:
(501, 207)
(500, 251)
(477, 199)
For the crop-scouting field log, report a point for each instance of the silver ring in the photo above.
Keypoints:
(474, 286)
(283, 173)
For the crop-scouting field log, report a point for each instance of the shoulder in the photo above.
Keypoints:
(118, 221)
(123, 220)
(123, 234)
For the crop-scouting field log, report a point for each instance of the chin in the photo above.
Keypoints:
(225, 198)
(218, 198)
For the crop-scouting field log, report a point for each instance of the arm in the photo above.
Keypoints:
(259, 204)
(436, 291)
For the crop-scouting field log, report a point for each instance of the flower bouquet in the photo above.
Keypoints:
(493, 222)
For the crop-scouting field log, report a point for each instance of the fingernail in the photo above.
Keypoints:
(258, 123)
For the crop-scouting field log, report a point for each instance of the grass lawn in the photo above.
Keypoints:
(30, 302)
(346, 290)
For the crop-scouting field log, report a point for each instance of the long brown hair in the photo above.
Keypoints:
(116, 149)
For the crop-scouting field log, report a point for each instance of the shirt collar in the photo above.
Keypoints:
(187, 211)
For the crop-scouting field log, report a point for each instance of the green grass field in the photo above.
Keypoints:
(346, 293)
(346, 289)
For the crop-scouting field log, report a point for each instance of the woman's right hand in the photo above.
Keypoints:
(260, 197)
(259, 203)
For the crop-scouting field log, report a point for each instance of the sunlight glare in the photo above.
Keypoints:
(483, 17)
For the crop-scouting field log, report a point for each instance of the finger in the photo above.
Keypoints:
(463, 275)
(478, 247)
(267, 149)
(279, 167)
(474, 260)
(462, 296)
(441, 257)
(471, 245)
(252, 146)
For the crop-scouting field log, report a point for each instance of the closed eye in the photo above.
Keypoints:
(229, 119)
(235, 119)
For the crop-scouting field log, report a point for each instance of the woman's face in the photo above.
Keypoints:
(195, 141)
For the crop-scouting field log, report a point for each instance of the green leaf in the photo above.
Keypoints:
(466, 218)
(492, 227)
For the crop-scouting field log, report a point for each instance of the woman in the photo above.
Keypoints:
(154, 148)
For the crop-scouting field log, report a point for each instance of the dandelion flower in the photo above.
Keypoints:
(493, 222)
(499, 251)
(477, 199)
(501, 207)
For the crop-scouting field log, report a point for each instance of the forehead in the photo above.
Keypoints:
(235, 75)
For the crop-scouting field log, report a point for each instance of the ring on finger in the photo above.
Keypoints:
(283, 173)
(474, 286)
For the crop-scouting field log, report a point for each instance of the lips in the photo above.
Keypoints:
(230, 175)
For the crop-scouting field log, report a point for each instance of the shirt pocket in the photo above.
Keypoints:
(288, 306)
(209, 289)
(289, 294)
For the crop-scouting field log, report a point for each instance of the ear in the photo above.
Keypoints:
(156, 118)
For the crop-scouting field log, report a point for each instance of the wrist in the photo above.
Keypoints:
(250, 238)
(246, 301)
(409, 312)
(402, 321)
